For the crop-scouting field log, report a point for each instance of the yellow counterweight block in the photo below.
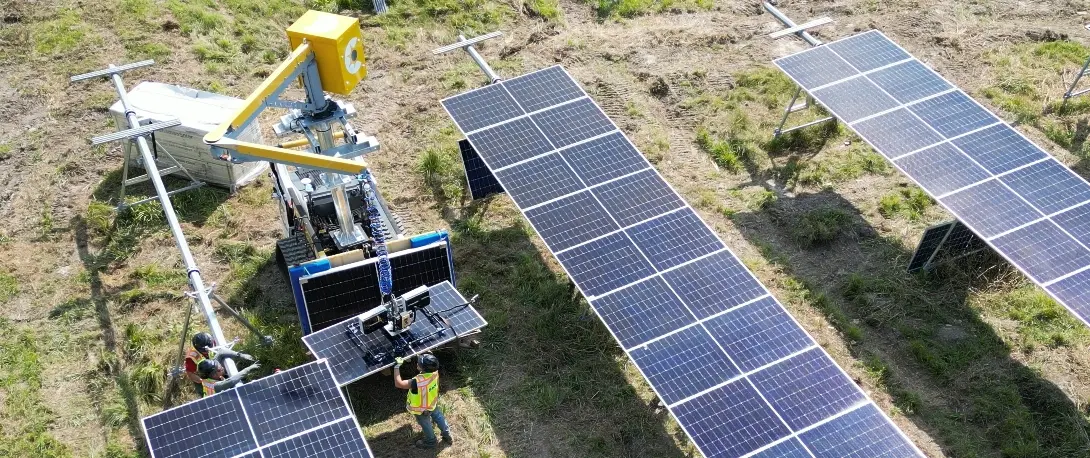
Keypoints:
(337, 43)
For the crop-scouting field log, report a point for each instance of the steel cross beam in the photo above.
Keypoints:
(800, 31)
(467, 45)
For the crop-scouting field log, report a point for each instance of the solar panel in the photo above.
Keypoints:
(944, 242)
(266, 417)
(351, 361)
(730, 363)
(1003, 188)
(333, 295)
(479, 179)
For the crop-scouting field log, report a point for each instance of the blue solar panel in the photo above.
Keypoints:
(605, 264)
(868, 51)
(1043, 251)
(638, 197)
(1076, 222)
(714, 284)
(990, 208)
(816, 67)
(1049, 186)
(861, 433)
(683, 364)
(291, 401)
(482, 108)
(573, 122)
(953, 114)
(605, 158)
(542, 89)
(642, 312)
(855, 99)
(909, 81)
(897, 133)
(674, 238)
(807, 388)
(999, 149)
(570, 221)
(170, 433)
(337, 440)
(506, 144)
(942, 169)
(539, 180)
(730, 421)
(1074, 291)
(689, 314)
(790, 448)
(758, 334)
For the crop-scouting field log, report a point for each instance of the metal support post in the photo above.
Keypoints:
(196, 283)
(265, 339)
(1071, 92)
(800, 31)
(467, 45)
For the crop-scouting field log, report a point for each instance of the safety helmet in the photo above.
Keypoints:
(206, 368)
(428, 362)
(202, 341)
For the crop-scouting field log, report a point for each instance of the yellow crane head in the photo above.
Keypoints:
(337, 44)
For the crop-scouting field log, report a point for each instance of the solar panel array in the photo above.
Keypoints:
(479, 179)
(1023, 202)
(336, 294)
(735, 369)
(297, 413)
(347, 360)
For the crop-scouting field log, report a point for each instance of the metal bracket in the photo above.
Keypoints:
(467, 45)
(792, 107)
(800, 31)
(134, 132)
(210, 291)
(126, 181)
(800, 28)
(1071, 92)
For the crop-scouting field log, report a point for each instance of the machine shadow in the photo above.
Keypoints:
(916, 334)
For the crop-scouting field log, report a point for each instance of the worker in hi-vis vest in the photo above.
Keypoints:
(200, 351)
(423, 398)
(213, 374)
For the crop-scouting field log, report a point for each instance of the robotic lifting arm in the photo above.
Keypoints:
(327, 56)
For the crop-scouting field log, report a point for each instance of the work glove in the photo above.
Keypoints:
(252, 367)
(246, 356)
(398, 361)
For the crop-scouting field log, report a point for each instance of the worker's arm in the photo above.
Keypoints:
(398, 382)
(233, 380)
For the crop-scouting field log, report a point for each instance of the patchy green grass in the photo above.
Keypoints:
(633, 8)
(1041, 321)
(838, 166)
(1029, 82)
(545, 9)
(63, 35)
(9, 287)
(26, 419)
(910, 203)
(821, 226)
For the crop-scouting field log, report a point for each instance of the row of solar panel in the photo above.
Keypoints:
(295, 413)
(737, 371)
(1026, 204)
(348, 360)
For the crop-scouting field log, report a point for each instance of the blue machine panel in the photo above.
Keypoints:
(642, 312)
(683, 364)
(758, 334)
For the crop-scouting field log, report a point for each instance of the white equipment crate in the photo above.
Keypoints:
(199, 112)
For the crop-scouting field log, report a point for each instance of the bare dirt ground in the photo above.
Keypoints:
(970, 361)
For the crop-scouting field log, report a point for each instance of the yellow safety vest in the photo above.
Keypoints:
(427, 394)
(209, 386)
(196, 356)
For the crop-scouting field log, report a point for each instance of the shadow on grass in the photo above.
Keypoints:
(916, 335)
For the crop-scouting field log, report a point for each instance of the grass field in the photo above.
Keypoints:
(971, 360)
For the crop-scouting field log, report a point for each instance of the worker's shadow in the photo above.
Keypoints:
(547, 378)
(916, 334)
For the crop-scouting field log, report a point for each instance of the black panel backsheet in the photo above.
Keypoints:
(479, 178)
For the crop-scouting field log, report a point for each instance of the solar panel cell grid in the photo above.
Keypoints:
(758, 334)
(605, 264)
(570, 221)
(483, 107)
(816, 67)
(868, 51)
(953, 114)
(861, 433)
(509, 143)
(337, 440)
(642, 312)
(182, 432)
(909, 81)
(572, 122)
(542, 89)
(605, 158)
(638, 197)
(539, 180)
(1043, 251)
(1077, 223)
(990, 208)
(290, 401)
(897, 133)
(807, 388)
(480, 180)
(674, 238)
(731, 420)
(790, 448)
(714, 284)
(931, 241)
(683, 364)
(999, 149)
(1049, 186)
(855, 99)
(942, 169)
(1074, 291)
